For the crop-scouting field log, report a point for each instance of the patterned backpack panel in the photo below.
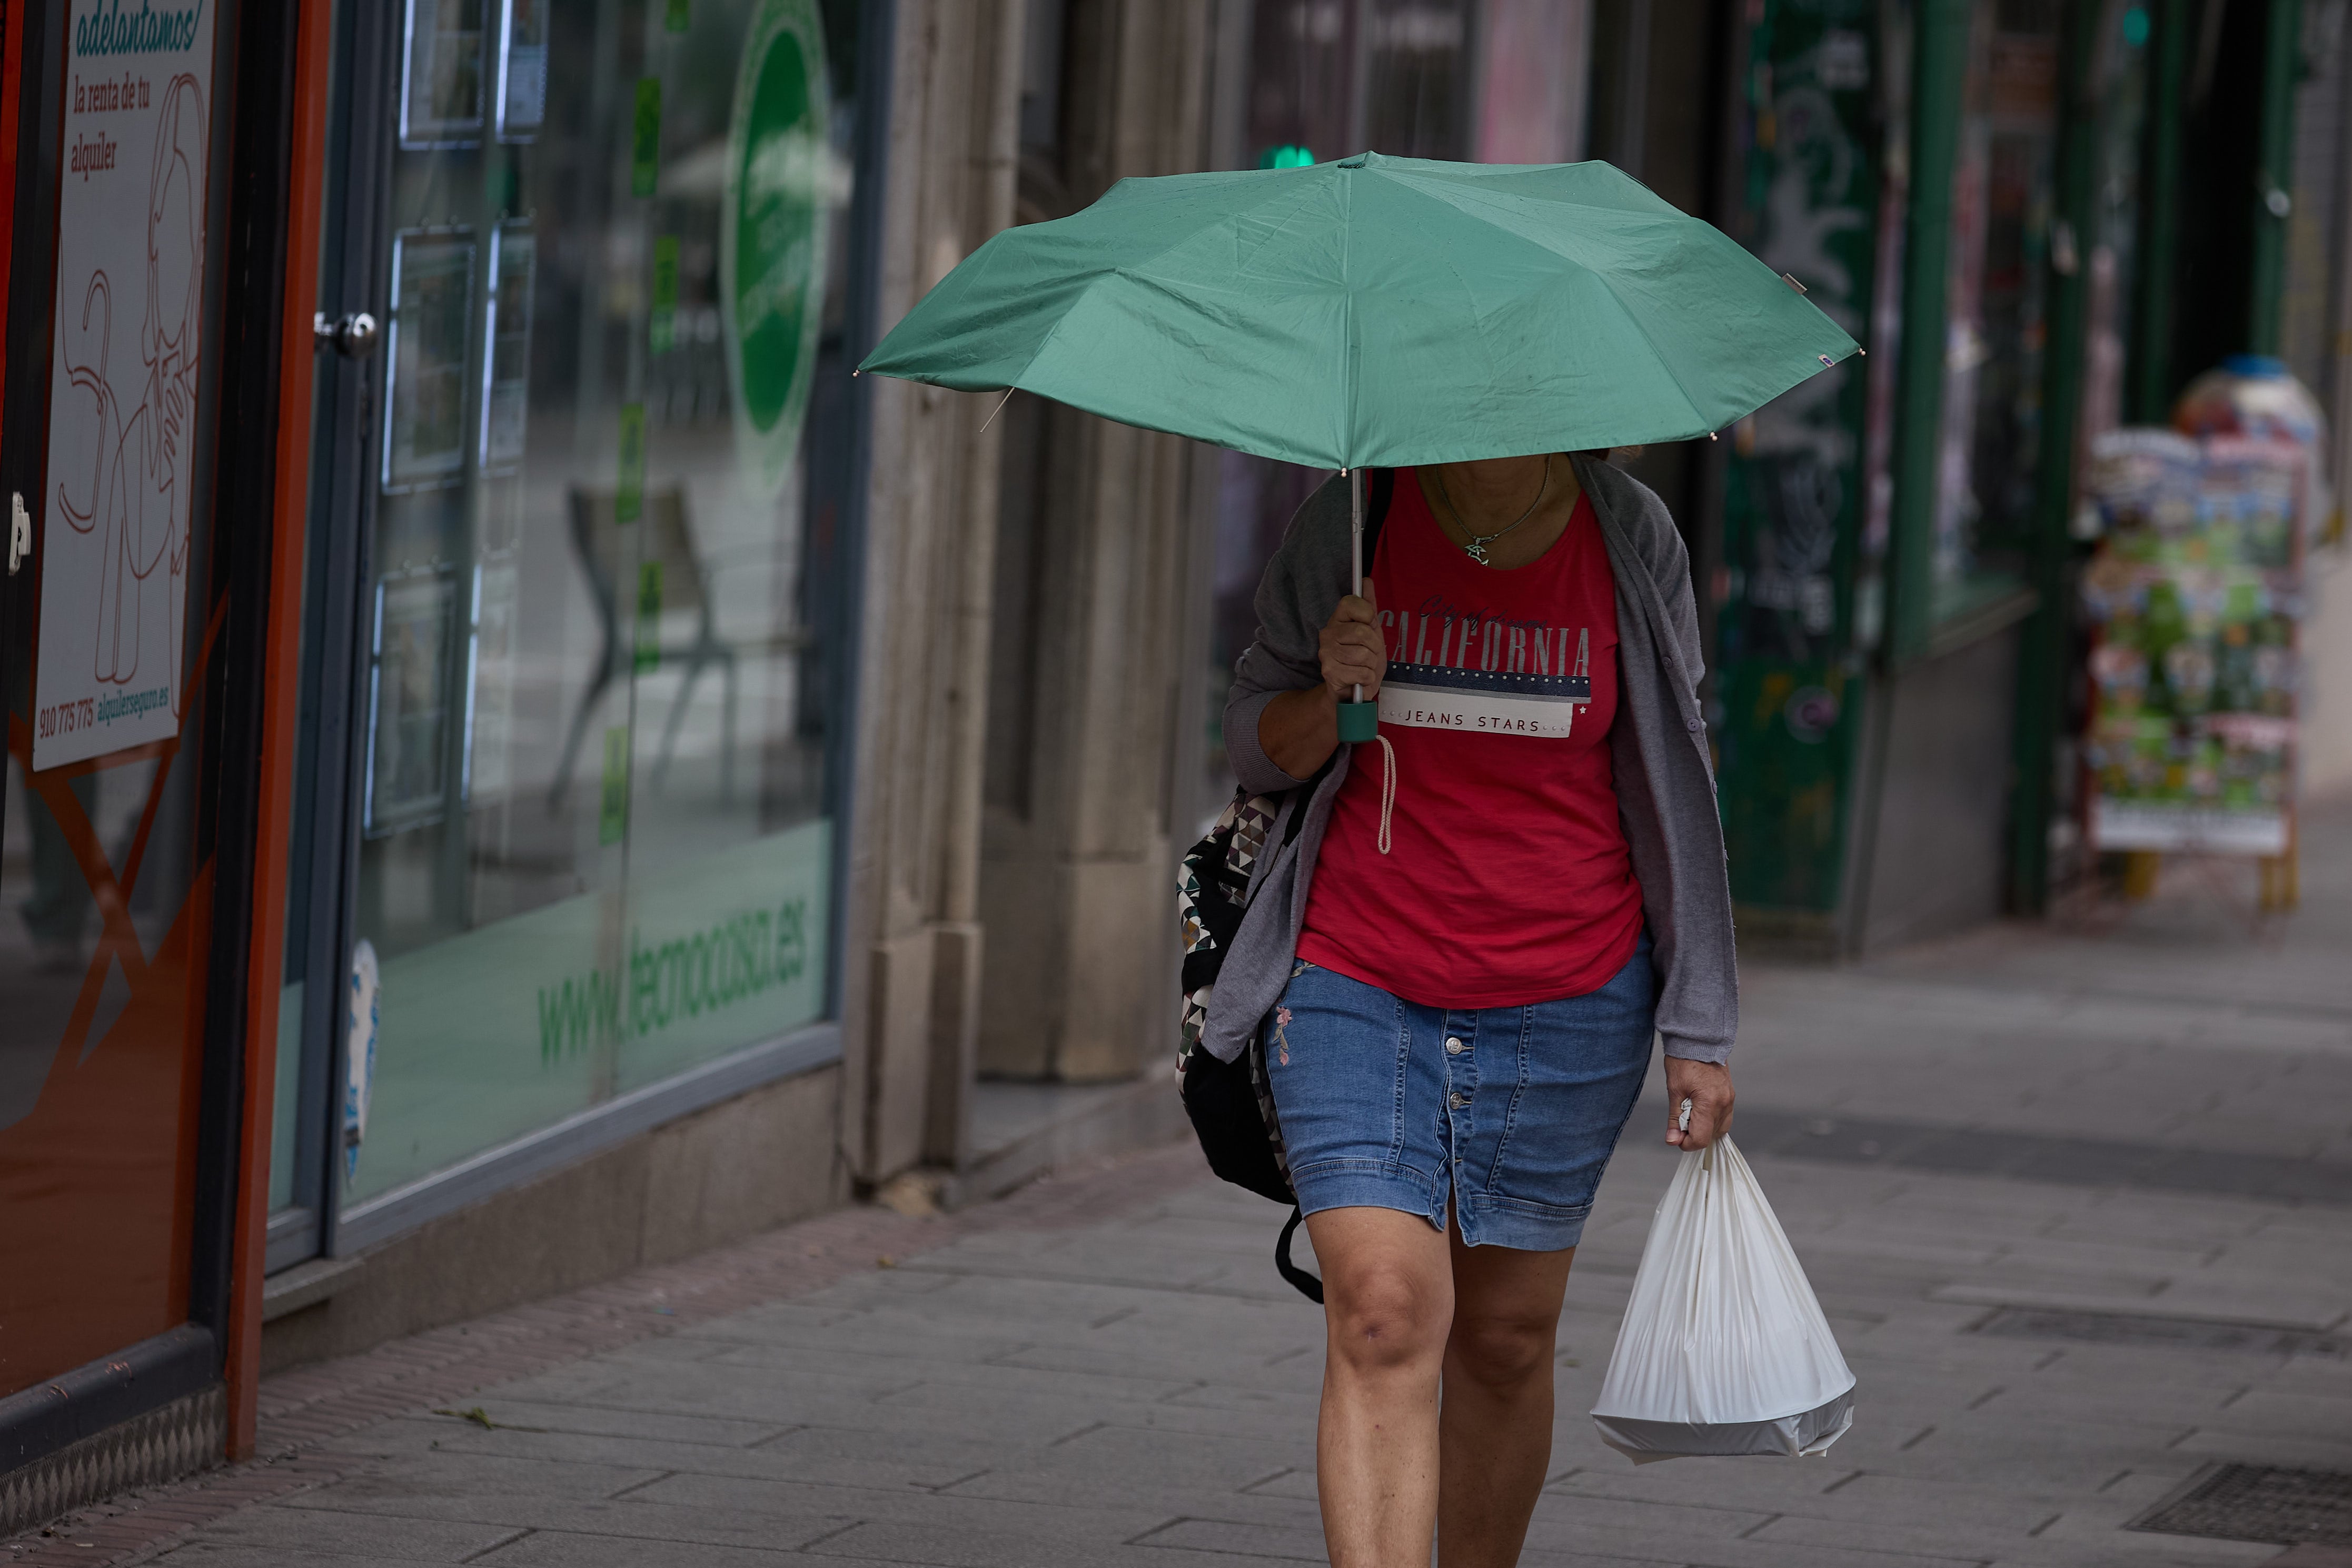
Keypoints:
(1212, 895)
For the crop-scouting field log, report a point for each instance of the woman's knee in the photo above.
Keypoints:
(1386, 1316)
(1500, 1349)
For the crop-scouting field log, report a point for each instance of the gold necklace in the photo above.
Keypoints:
(1476, 547)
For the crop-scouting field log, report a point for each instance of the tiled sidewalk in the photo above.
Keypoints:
(1122, 1381)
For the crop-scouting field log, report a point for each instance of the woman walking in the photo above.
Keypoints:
(1489, 914)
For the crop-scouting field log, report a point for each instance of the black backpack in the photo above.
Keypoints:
(1230, 1104)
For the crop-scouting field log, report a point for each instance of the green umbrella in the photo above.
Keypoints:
(1377, 310)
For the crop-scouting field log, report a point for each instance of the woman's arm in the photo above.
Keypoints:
(1300, 729)
(1280, 719)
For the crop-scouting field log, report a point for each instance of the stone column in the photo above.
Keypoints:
(913, 937)
(1099, 690)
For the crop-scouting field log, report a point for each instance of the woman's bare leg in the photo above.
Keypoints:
(1388, 1299)
(1494, 1434)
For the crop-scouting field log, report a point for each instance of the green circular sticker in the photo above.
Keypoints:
(772, 249)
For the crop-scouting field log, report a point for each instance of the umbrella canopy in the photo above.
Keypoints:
(1376, 312)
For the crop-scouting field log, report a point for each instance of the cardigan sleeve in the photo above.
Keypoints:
(1287, 654)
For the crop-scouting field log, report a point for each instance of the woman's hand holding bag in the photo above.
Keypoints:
(1724, 1349)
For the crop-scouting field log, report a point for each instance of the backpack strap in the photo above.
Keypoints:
(1306, 1284)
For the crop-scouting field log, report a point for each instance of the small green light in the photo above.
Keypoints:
(1288, 156)
(2136, 26)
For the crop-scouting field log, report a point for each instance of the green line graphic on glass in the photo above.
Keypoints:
(649, 605)
(629, 493)
(613, 797)
(661, 329)
(645, 152)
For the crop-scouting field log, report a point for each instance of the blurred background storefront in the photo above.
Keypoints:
(2076, 208)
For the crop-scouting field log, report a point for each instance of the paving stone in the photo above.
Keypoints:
(1767, 1486)
(625, 1518)
(802, 1454)
(2275, 1413)
(1971, 1510)
(1169, 1498)
(1923, 1540)
(560, 1549)
(210, 1552)
(319, 1530)
(519, 1416)
(890, 1375)
(1306, 1545)
(1104, 1519)
(436, 1475)
(1125, 1463)
(898, 1541)
(1664, 1534)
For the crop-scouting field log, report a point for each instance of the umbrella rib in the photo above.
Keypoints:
(1350, 353)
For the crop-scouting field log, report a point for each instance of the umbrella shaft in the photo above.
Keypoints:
(1356, 540)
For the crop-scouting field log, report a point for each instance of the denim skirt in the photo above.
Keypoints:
(1511, 1113)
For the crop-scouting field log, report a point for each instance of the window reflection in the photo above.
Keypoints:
(595, 840)
(1997, 321)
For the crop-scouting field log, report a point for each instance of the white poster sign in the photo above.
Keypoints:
(123, 387)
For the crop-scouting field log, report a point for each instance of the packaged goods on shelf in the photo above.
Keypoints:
(2194, 596)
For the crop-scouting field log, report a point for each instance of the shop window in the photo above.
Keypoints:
(597, 657)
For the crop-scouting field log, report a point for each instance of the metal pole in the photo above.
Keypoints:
(1360, 720)
(1356, 540)
(1939, 69)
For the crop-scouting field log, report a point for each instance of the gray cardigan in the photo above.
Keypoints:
(1658, 756)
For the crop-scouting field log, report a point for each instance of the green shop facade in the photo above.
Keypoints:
(2043, 217)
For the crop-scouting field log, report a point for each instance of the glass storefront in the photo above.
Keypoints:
(1997, 304)
(585, 839)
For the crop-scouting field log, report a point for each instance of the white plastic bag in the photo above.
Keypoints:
(1724, 1349)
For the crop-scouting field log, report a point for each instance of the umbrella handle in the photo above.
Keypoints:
(1360, 720)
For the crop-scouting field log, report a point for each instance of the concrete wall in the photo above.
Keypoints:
(2326, 697)
(1937, 844)
(762, 1160)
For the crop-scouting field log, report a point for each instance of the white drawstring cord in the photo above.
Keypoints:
(1388, 788)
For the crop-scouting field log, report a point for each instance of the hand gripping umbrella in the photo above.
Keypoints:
(1377, 310)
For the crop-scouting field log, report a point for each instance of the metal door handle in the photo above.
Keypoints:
(353, 336)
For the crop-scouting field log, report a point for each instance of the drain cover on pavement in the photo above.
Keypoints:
(2256, 1503)
(2183, 1333)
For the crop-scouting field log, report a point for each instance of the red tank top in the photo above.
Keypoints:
(1506, 879)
